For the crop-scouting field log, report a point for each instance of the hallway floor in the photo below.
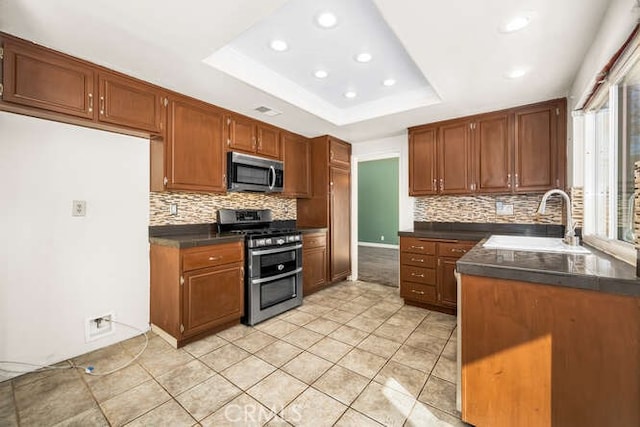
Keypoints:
(352, 355)
(379, 265)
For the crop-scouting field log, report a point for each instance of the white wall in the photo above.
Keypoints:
(395, 146)
(58, 270)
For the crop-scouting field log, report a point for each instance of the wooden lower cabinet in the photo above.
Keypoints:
(197, 291)
(427, 269)
(314, 262)
(541, 355)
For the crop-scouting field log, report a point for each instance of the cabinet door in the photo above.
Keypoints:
(212, 297)
(536, 148)
(340, 244)
(269, 142)
(447, 286)
(339, 153)
(130, 103)
(37, 77)
(454, 158)
(241, 134)
(422, 162)
(297, 159)
(314, 269)
(492, 146)
(195, 152)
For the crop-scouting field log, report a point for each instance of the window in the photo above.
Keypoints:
(612, 147)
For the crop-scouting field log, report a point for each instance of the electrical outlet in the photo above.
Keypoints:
(173, 209)
(382, 238)
(504, 208)
(79, 208)
(99, 326)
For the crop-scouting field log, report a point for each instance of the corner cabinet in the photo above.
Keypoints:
(329, 205)
(197, 291)
(192, 155)
(521, 150)
(427, 268)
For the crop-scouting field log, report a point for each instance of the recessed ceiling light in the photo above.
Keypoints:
(327, 20)
(321, 74)
(363, 57)
(279, 45)
(516, 73)
(516, 24)
(389, 82)
(350, 94)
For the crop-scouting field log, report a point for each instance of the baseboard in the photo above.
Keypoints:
(379, 245)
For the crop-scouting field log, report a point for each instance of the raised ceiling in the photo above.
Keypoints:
(456, 44)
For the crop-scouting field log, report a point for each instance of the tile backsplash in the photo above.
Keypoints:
(199, 208)
(482, 208)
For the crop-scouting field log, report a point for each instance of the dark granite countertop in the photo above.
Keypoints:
(596, 271)
(478, 231)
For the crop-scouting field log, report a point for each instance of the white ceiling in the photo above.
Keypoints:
(455, 44)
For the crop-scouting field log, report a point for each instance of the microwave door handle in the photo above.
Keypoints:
(272, 172)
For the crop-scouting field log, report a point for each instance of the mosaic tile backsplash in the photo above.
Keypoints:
(200, 208)
(482, 208)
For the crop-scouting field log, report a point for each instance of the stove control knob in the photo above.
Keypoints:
(268, 241)
(260, 242)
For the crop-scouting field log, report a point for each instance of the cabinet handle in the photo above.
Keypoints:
(330, 154)
(441, 184)
(253, 138)
(460, 251)
(517, 181)
(417, 275)
(165, 181)
(417, 260)
(224, 179)
(508, 180)
(435, 184)
(91, 103)
(228, 141)
(102, 105)
(417, 247)
(473, 186)
(417, 292)
(214, 258)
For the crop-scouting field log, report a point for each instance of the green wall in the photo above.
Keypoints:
(378, 201)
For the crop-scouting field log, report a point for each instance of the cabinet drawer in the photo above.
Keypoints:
(211, 256)
(455, 250)
(425, 276)
(418, 260)
(314, 240)
(419, 246)
(418, 292)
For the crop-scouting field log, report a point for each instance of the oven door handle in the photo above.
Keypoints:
(276, 250)
(278, 277)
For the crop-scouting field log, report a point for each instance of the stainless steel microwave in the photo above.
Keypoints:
(252, 173)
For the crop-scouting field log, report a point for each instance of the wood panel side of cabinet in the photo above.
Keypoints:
(37, 77)
(194, 147)
(423, 178)
(124, 101)
(297, 159)
(454, 157)
(536, 355)
(493, 153)
(340, 224)
(165, 290)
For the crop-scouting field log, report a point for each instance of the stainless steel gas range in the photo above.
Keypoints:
(273, 278)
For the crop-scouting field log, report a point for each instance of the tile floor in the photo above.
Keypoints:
(352, 355)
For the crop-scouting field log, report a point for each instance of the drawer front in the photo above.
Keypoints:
(314, 240)
(418, 246)
(211, 256)
(418, 260)
(426, 276)
(455, 250)
(418, 292)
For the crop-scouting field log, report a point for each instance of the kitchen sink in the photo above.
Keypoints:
(534, 244)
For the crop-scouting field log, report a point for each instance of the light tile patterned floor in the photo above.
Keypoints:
(352, 355)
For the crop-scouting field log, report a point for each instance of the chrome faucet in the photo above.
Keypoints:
(570, 237)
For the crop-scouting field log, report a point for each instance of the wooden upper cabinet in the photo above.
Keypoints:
(454, 158)
(536, 148)
(268, 142)
(339, 153)
(37, 77)
(492, 153)
(194, 147)
(127, 102)
(297, 159)
(241, 134)
(422, 162)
